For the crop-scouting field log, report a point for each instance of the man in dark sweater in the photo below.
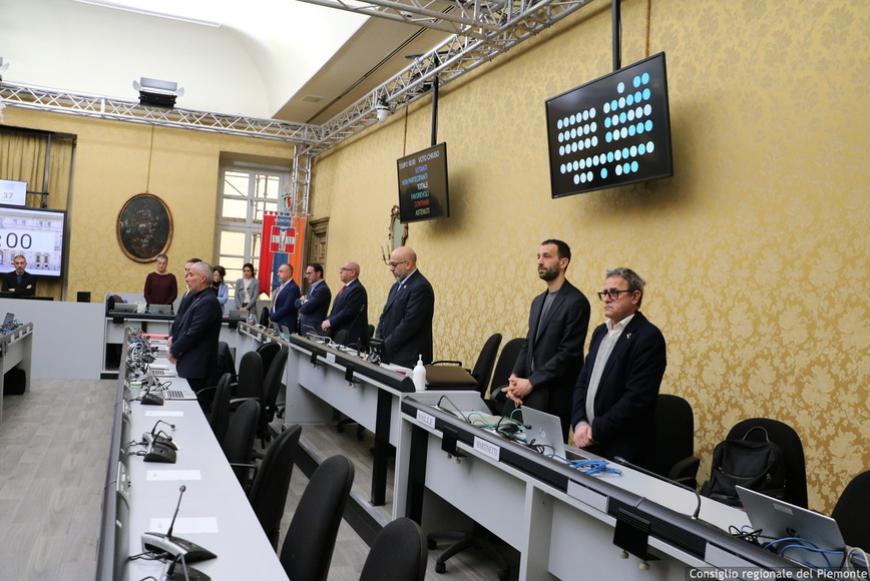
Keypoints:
(19, 282)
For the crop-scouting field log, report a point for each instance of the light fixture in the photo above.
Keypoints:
(156, 92)
(3, 66)
(382, 109)
(127, 7)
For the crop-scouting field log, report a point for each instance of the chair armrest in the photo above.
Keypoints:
(237, 401)
(686, 471)
(252, 468)
(447, 362)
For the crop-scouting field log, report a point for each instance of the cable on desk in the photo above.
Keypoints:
(848, 560)
(454, 406)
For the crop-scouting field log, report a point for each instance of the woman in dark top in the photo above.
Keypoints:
(160, 286)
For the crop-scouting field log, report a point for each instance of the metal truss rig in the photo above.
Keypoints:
(514, 22)
(106, 108)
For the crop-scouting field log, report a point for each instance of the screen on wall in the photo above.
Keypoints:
(611, 131)
(35, 234)
(423, 188)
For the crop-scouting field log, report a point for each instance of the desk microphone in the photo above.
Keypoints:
(157, 423)
(175, 547)
(625, 462)
(181, 490)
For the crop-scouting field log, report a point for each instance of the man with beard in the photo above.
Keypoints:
(547, 367)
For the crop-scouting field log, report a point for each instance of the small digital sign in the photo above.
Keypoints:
(423, 192)
(612, 131)
(38, 235)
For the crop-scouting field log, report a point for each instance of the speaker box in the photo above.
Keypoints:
(83, 296)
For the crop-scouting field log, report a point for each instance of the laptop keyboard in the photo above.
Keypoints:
(175, 394)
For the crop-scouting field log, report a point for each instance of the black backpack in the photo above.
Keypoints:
(757, 465)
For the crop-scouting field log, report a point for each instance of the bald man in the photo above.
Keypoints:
(406, 322)
(195, 342)
(348, 321)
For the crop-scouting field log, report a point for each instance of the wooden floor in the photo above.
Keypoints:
(53, 452)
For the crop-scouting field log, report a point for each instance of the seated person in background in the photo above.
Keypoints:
(616, 393)
(161, 288)
(194, 347)
(314, 304)
(349, 314)
(247, 290)
(220, 287)
(19, 282)
(284, 299)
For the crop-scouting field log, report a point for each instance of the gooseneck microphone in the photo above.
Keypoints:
(175, 547)
(181, 490)
(157, 423)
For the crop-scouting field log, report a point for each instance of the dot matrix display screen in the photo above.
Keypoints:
(611, 131)
(423, 191)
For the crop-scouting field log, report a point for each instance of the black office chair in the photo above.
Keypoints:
(219, 418)
(482, 370)
(268, 493)
(206, 396)
(226, 361)
(852, 512)
(398, 554)
(250, 382)
(271, 386)
(267, 353)
(310, 539)
(793, 454)
(503, 369)
(238, 442)
(264, 317)
(675, 440)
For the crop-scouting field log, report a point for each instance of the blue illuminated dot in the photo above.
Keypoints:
(588, 162)
(618, 155)
(646, 94)
(582, 164)
(606, 108)
(630, 114)
(622, 117)
(576, 179)
(633, 151)
(620, 87)
(561, 139)
(648, 125)
(583, 177)
(587, 141)
(579, 145)
(614, 105)
(641, 149)
(644, 78)
(639, 128)
(607, 137)
(618, 170)
(635, 81)
(562, 168)
(647, 109)
(650, 146)
(576, 165)
(561, 150)
(631, 130)
(623, 132)
(621, 102)
(586, 130)
(585, 115)
(634, 166)
(588, 176)
(610, 156)
(592, 113)
(572, 119)
(594, 140)
(573, 132)
(573, 147)
(603, 172)
(559, 124)
(629, 100)
(637, 97)
(625, 153)
(607, 122)
(626, 168)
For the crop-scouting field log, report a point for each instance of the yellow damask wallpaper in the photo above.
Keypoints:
(111, 164)
(755, 252)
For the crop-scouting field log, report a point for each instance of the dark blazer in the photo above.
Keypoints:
(624, 423)
(10, 281)
(350, 313)
(182, 307)
(314, 309)
(406, 322)
(283, 309)
(551, 359)
(195, 345)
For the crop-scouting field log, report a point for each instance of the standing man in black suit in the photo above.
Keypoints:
(406, 322)
(19, 282)
(350, 309)
(314, 304)
(195, 345)
(184, 302)
(547, 366)
(615, 397)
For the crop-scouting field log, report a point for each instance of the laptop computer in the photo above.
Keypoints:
(778, 519)
(160, 309)
(7, 321)
(125, 307)
(544, 429)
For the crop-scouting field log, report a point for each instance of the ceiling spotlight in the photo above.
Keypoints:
(382, 109)
(157, 93)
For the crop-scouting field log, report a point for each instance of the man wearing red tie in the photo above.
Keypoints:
(284, 299)
(349, 319)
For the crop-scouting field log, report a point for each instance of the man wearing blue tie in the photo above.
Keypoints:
(314, 305)
(349, 319)
(284, 299)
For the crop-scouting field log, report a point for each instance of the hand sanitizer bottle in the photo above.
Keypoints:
(419, 375)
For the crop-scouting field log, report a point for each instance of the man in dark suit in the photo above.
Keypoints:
(184, 302)
(547, 366)
(314, 305)
(349, 319)
(284, 300)
(406, 321)
(194, 348)
(616, 393)
(19, 282)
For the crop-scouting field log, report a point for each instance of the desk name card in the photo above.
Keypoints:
(487, 448)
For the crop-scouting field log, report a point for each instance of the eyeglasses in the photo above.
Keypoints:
(395, 264)
(612, 293)
(344, 269)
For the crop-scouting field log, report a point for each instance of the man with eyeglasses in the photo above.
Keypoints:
(406, 321)
(348, 321)
(616, 393)
(314, 304)
(547, 366)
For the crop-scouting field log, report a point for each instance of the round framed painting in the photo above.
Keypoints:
(144, 227)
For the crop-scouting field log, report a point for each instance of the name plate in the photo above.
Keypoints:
(206, 524)
(425, 418)
(330, 357)
(172, 475)
(487, 448)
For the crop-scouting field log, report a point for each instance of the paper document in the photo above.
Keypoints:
(183, 526)
(170, 475)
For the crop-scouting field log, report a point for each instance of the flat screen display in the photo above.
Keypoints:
(611, 131)
(423, 192)
(38, 235)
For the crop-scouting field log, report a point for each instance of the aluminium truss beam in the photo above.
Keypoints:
(26, 97)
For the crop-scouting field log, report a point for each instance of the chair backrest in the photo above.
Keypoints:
(226, 362)
(272, 383)
(852, 512)
(264, 317)
(398, 553)
(793, 454)
(675, 432)
(219, 418)
(238, 443)
(250, 376)
(506, 361)
(268, 493)
(310, 539)
(482, 371)
(267, 353)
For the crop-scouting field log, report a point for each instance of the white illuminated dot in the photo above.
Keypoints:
(582, 164)
(576, 179)
(623, 132)
(595, 160)
(576, 165)
(594, 126)
(592, 112)
(620, 87)
(561, 150)
(618, 154)
(638, 112)
(594, 141)
(614, 120)
(630, 115)
(618, 170)
(580, 146)
(573, 147)
(588, 162)
(573, 132)
(588, 142)
(561, 138)
(585, 115)
(588, 176)
(606, 109)
(583, 177)
(650, 146)
(562, 168)
(571, 120)
(633, 151)
(559, 124)
(621, 102)
(647, 108)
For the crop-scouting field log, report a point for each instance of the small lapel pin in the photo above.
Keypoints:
(628, 335)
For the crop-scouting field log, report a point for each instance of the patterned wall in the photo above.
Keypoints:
(756, 251)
